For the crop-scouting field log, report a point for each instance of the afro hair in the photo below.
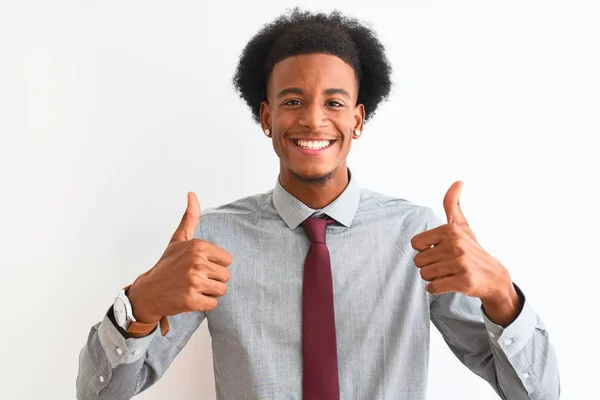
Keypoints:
(302, 32)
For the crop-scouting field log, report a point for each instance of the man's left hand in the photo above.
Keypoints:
(451, 260)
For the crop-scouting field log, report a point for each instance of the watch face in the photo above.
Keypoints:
(120, 312)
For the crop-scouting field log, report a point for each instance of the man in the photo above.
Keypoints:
(319, 289)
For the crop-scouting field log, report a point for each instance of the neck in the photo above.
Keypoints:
(315, 194)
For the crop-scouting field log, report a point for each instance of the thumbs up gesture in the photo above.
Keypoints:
(451, 260)
(190, 275)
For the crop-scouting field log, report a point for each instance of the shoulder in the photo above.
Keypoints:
(246, 210)
(244, 206)
(390, 208)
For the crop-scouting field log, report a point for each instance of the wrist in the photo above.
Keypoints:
(506, 298)
(139, 305)
(503, 308)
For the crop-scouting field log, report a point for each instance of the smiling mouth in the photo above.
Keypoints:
(313, 144)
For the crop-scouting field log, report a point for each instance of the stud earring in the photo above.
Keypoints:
(268, 132)
(357, 133)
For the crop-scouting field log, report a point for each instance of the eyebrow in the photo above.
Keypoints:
(329, 92)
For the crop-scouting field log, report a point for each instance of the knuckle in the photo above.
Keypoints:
(432, 287)
(463, 262)
(226, 275)
(414, 242)
(211, 303)
(194, 280)
(457, 249)
(416, 260)
(457, 265)
(455, 229)
(199, 263)
(188, 301)
(190, 278)
(199, 245)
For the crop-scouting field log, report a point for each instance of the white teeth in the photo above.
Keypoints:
(313, 144)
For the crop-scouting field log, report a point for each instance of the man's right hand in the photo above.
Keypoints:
(190, 275)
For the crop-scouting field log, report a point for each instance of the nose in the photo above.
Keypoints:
(313, 117)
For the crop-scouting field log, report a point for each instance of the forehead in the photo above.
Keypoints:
(312, 72)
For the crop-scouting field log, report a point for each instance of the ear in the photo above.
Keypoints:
(265, 116)
(359, 120)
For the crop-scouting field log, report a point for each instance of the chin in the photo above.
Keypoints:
(316, 177)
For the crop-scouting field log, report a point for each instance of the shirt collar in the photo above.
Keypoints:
(294, 212)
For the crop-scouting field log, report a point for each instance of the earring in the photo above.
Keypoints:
(357, 133)
(268, 132)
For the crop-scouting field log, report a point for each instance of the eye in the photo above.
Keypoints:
(334, 103)
(292, 102)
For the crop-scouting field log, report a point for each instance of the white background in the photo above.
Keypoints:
(111, 111)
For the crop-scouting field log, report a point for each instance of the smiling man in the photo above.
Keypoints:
(319, 289)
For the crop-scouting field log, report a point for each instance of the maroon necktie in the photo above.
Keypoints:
(319, 350)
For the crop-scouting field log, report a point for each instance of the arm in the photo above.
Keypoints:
(114, 367)
(182, 285)
(470, 289)
(518, 361)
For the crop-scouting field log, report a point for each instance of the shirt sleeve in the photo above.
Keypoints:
(518, 361)
(114, 367)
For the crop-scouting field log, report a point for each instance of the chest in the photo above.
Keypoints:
(373, 280)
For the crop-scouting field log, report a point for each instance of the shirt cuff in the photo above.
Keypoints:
(514, 337)
(118, 349)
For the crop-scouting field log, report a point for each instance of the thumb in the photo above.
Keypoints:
(189, 221)
(452, 205)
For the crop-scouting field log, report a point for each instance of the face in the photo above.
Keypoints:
(312, 115)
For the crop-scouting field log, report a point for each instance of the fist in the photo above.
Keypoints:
(190, 276)
(451, 260)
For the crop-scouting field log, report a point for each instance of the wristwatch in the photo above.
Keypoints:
(124, 318)
(122, 310)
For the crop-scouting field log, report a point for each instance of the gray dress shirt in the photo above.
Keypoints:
(382, 312)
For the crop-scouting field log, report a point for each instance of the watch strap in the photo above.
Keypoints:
(138, 329)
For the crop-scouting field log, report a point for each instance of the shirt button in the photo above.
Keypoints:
(508, 342)
(136, 352)
(492, 335)
(526, 375)
(119, 351)
(101, 379)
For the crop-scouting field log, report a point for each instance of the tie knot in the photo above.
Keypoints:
(315, 228)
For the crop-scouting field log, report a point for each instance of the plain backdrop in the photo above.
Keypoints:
(111, 111)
